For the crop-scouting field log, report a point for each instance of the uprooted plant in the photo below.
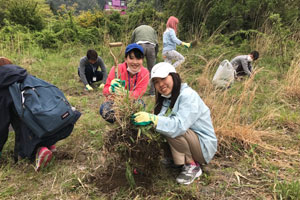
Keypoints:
(138, 147)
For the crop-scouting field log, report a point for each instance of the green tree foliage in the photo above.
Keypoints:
(134, 5)
(115, 25)
(82, 5)
(230, 15)
(3, 6)
(145, 16)
(26, 13)
(91, 18)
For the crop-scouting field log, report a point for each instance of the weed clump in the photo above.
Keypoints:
(138, 147)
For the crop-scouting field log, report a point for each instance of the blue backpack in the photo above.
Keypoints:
(42, 106)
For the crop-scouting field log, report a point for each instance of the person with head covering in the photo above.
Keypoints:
(184, 119)
(170, 41)
(133, 78)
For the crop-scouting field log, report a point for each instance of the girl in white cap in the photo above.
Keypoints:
(181, 116)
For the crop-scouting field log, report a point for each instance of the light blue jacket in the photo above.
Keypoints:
(189, 112)
(170, 40)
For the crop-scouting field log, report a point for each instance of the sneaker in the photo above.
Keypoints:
(188, 174)
(43, 157)
(52, 148)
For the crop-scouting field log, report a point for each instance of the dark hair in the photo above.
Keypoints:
(137, 53)
(91, 54)
(175, 93)
(255, 55)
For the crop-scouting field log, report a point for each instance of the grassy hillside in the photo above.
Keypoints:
(257, 123)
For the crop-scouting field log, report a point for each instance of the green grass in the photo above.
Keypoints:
(73, 174)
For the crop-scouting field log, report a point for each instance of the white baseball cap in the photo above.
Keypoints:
(162, 70)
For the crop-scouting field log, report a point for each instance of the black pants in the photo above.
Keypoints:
(90, 74)
(6, 117)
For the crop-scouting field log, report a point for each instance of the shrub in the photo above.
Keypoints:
(67, 35)
(145, 16)
(25, 13)
(89, 19)
(47, 39)
(90, 35)
(115, 25)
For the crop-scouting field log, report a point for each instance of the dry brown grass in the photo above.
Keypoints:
(231, 114)
(291, 88)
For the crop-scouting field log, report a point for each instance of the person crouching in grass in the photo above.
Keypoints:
(184, 119)
(133, 78)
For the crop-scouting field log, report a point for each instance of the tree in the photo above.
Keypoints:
(25, 13)
(195, 15)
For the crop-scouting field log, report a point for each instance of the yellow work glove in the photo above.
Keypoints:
(120, 90)
(187, 45)
(101, 86)
(88, 87)
(117, 86)
(117, 81)
(144, 118)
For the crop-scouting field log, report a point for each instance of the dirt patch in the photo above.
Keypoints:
(63, 155)
(113, 179)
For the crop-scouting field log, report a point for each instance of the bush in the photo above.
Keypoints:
(47, 39)
(67, 35)
(89, 19)
(25, 13)
(145, 16)
(15, 35)
(251, 14)
(90, 35)
(115, 26)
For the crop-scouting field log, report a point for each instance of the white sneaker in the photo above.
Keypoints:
(188, 174)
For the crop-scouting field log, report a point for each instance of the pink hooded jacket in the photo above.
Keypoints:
(137, 85)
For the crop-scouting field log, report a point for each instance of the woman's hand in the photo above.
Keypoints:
(144, 118)
(187, 45)
(117, 86)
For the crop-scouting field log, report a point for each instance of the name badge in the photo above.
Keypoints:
(94, 78)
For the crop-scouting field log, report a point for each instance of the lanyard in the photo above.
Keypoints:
(93, 68)
(136, 76)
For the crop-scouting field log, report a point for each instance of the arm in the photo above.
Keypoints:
(133, 37)
(82, 71)
(174, 38)
(250, 67)
(190, 109)
(103, 69)
(110, 77)
(244, 63)
(155, 37)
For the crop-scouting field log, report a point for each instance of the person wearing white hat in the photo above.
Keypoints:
(184, 119)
